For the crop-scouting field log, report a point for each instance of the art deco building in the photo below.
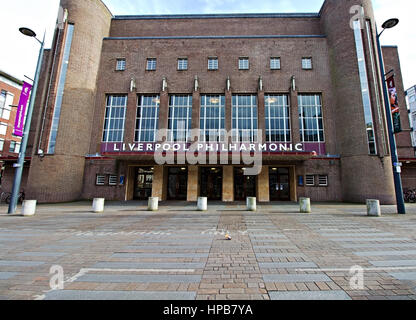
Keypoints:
(309, 81)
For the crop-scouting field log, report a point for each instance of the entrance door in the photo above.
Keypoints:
(279, 184)
(211, 183)
(143, 183)
(177, 183)
(244, 186)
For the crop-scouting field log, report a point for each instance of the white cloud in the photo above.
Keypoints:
(403, 35)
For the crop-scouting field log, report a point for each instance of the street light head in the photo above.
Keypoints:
(27, 32)
(391, 23)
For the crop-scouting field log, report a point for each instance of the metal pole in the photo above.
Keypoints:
(393, 148)
(21, 160)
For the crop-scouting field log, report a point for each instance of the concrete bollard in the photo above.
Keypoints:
(98, 205)
(373, 208)
(202, 204)
(305, 205)
(29, 207)
(251, 204)
(153, 204)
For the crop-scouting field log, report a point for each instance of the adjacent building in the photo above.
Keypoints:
(10, 88)
(310, 82)
(411, 105)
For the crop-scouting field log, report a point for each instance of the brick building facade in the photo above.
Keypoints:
(309, 82)
(10, 89)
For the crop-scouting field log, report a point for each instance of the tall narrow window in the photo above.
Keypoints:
(3, 128)
(180, 117)
(1, 144)
(310, 118)
(365, 90)
(6, 99)
(212, 118)
(147, 119)
(244, 118)
(277, 118)
(60, 90)
(115, 114)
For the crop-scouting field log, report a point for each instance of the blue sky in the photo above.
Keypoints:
(18, 54)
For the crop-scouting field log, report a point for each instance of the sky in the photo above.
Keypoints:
(18, 54)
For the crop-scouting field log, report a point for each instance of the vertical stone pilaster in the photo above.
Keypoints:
(294, 117)
(261, 115)
(159, 183)
(196, 109)
(163, 110)
(192, 194)
(263, 194)
(130, 121)
(228, 183)
(293, 184)
(228, 108)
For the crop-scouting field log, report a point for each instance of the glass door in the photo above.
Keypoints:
(143, 183)
(244, 186)
(211, 183)
(279, 184)
(177, 183)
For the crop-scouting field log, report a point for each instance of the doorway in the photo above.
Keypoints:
(244, 186)
(177, 183)
(211, 183)
(279, 184)
(143, 183)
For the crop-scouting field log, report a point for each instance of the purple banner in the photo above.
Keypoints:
(21, 110)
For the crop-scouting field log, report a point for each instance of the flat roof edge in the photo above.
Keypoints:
(218, 37)
(217, 16)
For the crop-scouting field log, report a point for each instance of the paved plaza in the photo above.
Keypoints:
(179, 253)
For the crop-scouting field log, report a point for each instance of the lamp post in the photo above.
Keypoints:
(391, 23)
(20, 162)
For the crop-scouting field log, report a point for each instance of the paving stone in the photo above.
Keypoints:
(404, 275)
(119, 295)
(394, 263)
(108, 278)
(14, 263)
(7, 275)
(286, 265)
(41, 254)
(379, 245)
(386, 253)
(149, 265)
(158, 255)
(295, 278)
(309, 295)
(280, 255)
